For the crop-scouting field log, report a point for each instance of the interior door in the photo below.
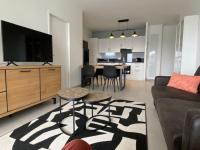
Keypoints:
(60, 32)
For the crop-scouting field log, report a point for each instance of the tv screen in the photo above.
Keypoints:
(21, 44)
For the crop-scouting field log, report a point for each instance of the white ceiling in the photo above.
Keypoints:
(102, 15)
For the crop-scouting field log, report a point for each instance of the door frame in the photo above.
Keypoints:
(68, 47)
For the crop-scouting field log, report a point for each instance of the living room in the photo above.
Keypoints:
(96, 75)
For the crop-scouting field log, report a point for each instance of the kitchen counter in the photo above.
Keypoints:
(121, 67)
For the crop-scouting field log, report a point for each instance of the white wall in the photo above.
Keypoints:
(33, 14)
(191, 47)
(168, 49)
(86, 33)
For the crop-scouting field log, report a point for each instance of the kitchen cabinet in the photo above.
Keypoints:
(115, 44)
(138, 44)
(137, 72)
(127, 43)
(104, 45)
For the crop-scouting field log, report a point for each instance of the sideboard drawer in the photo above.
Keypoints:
(2, 81)
(3, 103)
(23, 87)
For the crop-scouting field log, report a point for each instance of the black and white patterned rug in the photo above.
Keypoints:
(127, 130)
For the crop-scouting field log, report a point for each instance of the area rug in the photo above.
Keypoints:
(127, 130)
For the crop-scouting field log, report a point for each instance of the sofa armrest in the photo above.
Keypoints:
(161, 80)
(191, 131)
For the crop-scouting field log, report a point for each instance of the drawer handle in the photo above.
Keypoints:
(51, 69)
(25, 70)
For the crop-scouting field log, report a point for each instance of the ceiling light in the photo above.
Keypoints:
(112, 36)
(122, 35)
(135, 34)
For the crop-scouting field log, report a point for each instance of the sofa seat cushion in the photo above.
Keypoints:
(169, 92)
(172, 113)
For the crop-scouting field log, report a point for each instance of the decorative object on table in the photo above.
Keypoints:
(94, 99)
(127, 130)
(71, 94)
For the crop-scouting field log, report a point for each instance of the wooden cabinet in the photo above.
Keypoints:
(50, 82)
(3, 103)
(2, 81)
(23, 87)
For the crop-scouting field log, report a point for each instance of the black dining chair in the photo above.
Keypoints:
(88, 72)
(110, 74)
(99, 74)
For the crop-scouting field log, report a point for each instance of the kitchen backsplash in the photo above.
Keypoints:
(110, 55)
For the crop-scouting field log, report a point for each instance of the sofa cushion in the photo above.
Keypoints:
(169, 92)
(172, 113)
(185, 82)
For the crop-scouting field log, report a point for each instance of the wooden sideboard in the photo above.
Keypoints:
(24, 86)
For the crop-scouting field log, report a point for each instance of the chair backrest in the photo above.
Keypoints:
(99, 72)
(110, 71)
(197, 73)
(88, 71)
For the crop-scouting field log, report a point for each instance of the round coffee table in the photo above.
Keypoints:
(93, 99)
(71, 94)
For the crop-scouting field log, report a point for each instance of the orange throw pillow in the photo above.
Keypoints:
(185, 82)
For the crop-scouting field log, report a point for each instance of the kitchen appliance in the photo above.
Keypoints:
(85, 53)
(127, 70)
(124, 55)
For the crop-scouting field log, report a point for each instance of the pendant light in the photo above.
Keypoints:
(123, 21)
(135, 34)
(122, 35)
(112, 36)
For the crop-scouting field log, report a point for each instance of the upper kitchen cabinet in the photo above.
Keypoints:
(115, 44)
(139, 44)
(104, 45)
(126, 43)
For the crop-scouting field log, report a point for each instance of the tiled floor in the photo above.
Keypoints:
(135, 90)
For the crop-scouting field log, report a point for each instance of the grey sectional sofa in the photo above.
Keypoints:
(179, 115)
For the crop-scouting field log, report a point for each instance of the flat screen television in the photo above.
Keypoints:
(21, 44)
